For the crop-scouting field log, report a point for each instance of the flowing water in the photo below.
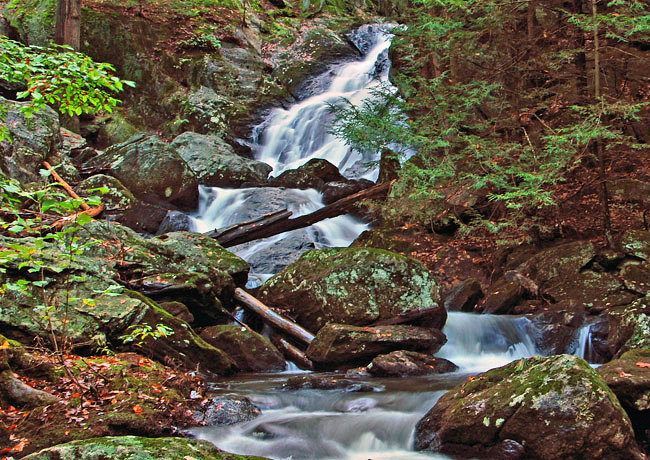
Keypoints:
(333, 424)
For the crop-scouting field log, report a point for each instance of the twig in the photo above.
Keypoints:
(65, 186)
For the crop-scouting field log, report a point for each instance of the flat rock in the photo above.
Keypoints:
(406, 363)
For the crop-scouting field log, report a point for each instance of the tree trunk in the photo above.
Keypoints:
(68, 23)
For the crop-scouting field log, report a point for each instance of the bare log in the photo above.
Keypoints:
(274, 319)
(265, 227)
(228, 234)
(92, 212)
(292, 353)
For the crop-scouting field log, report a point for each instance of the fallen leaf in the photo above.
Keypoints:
(137, 409)
(642, 364)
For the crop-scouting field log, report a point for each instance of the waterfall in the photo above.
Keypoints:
(477, 343)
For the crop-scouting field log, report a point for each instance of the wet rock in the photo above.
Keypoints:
(550, 408)
(313, 174)
(406, 363)
(152, 170)
(336, 190)
(318, 382)
(227, 410)
(356, 286)
(179, 310)
(463, 296)
(144, 216)
(130, 447)
(175, 221)
(383, 239)
(337, 344)
(555, 330)
(629, 327)
(216, 164)
(282, 253)
(250, 350)
(501, 297)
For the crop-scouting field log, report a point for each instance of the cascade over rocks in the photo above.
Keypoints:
(355, 286)
(550, 408)
(337, 344)
(251, 351)
(216, 164)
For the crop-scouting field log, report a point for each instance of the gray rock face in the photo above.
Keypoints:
(152, 170)
(337, 344)
(550, 408)
(175, 221)
(216, 164)
(33, 139)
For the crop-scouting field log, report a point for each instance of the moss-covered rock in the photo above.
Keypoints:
(30, 141)
(629, 379)
(152, 170)
(356, 286)
(636, 243)
(337, 344)
(215, 162)
(136, 448)
(250, 350)
(117, 200)
(551, 408)
(629, 327)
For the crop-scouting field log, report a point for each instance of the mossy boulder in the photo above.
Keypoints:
(403, 363)
(179, 266)
(215, 162)
(629, 327)
(337, 344)
(152, 170)
(550, 408)
(30, 141)
(636, 243)
(228, 410)
(117, 200)
(355, 286)
(629, 379)
(387, 239)
(250, 350)
(136, 448)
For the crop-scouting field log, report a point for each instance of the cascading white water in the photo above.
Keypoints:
(291, 137)
(476, 343)
(582, 344)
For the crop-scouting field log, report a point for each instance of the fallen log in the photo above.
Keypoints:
(274, 319)
(91, 212)
(279, 222)
(65, 186)
(292, 353)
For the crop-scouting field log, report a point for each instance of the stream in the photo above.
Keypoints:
(338, 424)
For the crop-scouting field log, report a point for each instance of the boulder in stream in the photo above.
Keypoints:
(355, 286)
(406, 363)
(539, 408)
(227, 410)
(250, 350)
(313, 174)
(338, 344)
(629, 327)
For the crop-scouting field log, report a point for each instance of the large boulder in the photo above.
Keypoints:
(215, 162)
(313, 174)
(82, 303)
(132, 447)
(30, 140)
(186, 267)
(629, 379)
(636, 243)
(250, 350)
(337, 344)
(152, 170)
(355, 286)
(550, 408)
(227, 410)
(463, 296)
(406, 363)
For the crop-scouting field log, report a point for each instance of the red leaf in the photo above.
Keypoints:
(642, 364)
